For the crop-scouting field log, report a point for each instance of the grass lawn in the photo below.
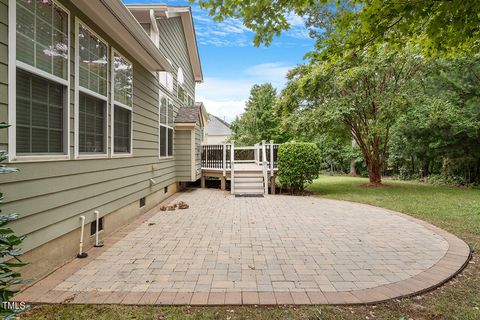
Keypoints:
(456, 210)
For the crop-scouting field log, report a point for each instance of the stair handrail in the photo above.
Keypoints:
(224, 159)
(264, 168)
(232, 167)
(271, 158)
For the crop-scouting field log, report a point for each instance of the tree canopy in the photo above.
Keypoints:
(438, 27)
(364, 95)
(260, 120)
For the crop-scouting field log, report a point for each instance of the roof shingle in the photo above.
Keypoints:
(188, 115)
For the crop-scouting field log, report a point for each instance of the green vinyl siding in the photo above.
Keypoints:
(183, 155)
(198, 152)
(174, 46)
(50, 196)
(3, 70)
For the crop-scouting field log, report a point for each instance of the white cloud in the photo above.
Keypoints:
(227, 97)
(295, 20)
(228, 33)
(226, 109)
(273, 71)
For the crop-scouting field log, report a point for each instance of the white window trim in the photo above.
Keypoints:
(78, 89)
(12, 91)
(169, 101)
(114, 103)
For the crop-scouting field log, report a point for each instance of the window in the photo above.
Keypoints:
(122, 125)
(40, 114)
(166, 80)
(42, 36)
(92, 61)
(191, 101)
(122, 80)
(181, 95)
(91, 92)
(165, 127)
(38, 70)
(180, 77)
(92, 123)
(122, 104)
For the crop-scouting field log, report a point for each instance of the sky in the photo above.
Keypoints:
(231, 64)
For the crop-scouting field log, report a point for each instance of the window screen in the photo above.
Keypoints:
(39, 114)
(42, 36)
(122, 130)
(92, 119)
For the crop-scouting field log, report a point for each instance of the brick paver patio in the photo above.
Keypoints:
(272, 250)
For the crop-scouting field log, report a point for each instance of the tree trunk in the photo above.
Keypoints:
(374, 167)
(375, 173)
(353, 168)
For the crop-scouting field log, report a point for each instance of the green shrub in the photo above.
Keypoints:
(298, 164)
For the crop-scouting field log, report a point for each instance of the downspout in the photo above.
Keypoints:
(156, 32)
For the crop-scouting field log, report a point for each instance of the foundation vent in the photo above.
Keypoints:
(93, 226)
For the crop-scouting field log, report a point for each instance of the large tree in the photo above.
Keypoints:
(438, 26)
(260, 120)
(364, 94)
(441, 133)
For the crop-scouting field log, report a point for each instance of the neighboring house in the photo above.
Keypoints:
(217, 130)
(94, 89)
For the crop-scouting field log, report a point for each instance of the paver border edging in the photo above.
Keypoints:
(453, 260)
(451, 264)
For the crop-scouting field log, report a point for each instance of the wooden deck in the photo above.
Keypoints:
(238, 167)
(251, 170)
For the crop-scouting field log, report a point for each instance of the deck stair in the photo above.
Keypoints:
(248, 181)
(251, 169)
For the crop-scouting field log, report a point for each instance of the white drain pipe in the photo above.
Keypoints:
(97, 225)
(82, 254)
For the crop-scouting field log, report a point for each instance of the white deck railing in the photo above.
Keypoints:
(221, 157)
(264, 167)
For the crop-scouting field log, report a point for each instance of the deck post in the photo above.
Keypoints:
(202, 182)
(264, 168)
(224, 162)
(272, 184)
(223, 183)
(206, 156)
(232, 167)
(271, 158)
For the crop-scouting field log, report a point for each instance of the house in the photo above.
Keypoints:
(100, 99)
(217, 130)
